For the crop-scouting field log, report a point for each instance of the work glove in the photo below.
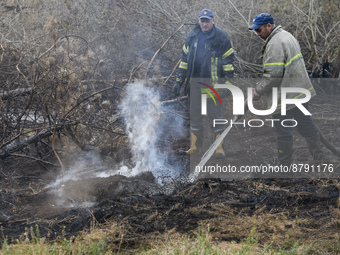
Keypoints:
(176, 89)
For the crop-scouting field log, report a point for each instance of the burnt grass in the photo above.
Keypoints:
(289, 209)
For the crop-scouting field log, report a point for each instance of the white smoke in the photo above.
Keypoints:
(146, 123)
(144, 119)
(86, 165)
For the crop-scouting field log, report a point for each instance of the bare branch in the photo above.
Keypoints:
(17, 144)
(15, 92)
(156, 53)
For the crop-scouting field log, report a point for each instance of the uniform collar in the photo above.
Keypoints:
(198, 30)
(274, 32)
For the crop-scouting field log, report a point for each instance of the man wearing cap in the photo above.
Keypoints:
(207, 54)
(284, 67)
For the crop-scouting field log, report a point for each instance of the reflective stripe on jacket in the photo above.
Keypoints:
(217, 61)
(283, 66)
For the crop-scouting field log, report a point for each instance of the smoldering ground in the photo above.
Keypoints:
(287, 209)
(147, 124)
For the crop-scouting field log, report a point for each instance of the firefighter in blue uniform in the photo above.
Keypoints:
(207, 54)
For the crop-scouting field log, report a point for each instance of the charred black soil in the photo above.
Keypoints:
(282, 209)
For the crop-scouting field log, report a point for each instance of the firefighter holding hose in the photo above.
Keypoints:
(206, 54)
(284, 67)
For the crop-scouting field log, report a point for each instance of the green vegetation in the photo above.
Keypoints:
(198, 242)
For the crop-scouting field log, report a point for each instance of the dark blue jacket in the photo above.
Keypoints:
(217, 61)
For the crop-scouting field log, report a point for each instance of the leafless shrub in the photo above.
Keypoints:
(67, 62)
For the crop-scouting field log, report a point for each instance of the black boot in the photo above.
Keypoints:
(285, 149)
(314, 146)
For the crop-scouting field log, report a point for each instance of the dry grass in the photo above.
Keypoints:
(236, 234)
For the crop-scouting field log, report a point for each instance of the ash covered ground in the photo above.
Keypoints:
(157, 200)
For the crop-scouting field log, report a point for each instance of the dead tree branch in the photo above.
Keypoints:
(29, 102)
(33, 158)
(59, 40)
(16, 92)
(156, 53)
(17, 144)
(173, 70)
(86, 98)
(173, 100)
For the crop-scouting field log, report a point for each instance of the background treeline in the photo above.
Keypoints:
(64, 63)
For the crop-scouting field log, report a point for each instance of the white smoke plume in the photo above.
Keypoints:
(145, 120)
(146, 123)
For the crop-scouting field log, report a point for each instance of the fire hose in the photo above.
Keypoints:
(329, 145)
(207, 155)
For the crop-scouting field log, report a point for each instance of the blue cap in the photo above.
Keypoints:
(263, 18)
(206, 14)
